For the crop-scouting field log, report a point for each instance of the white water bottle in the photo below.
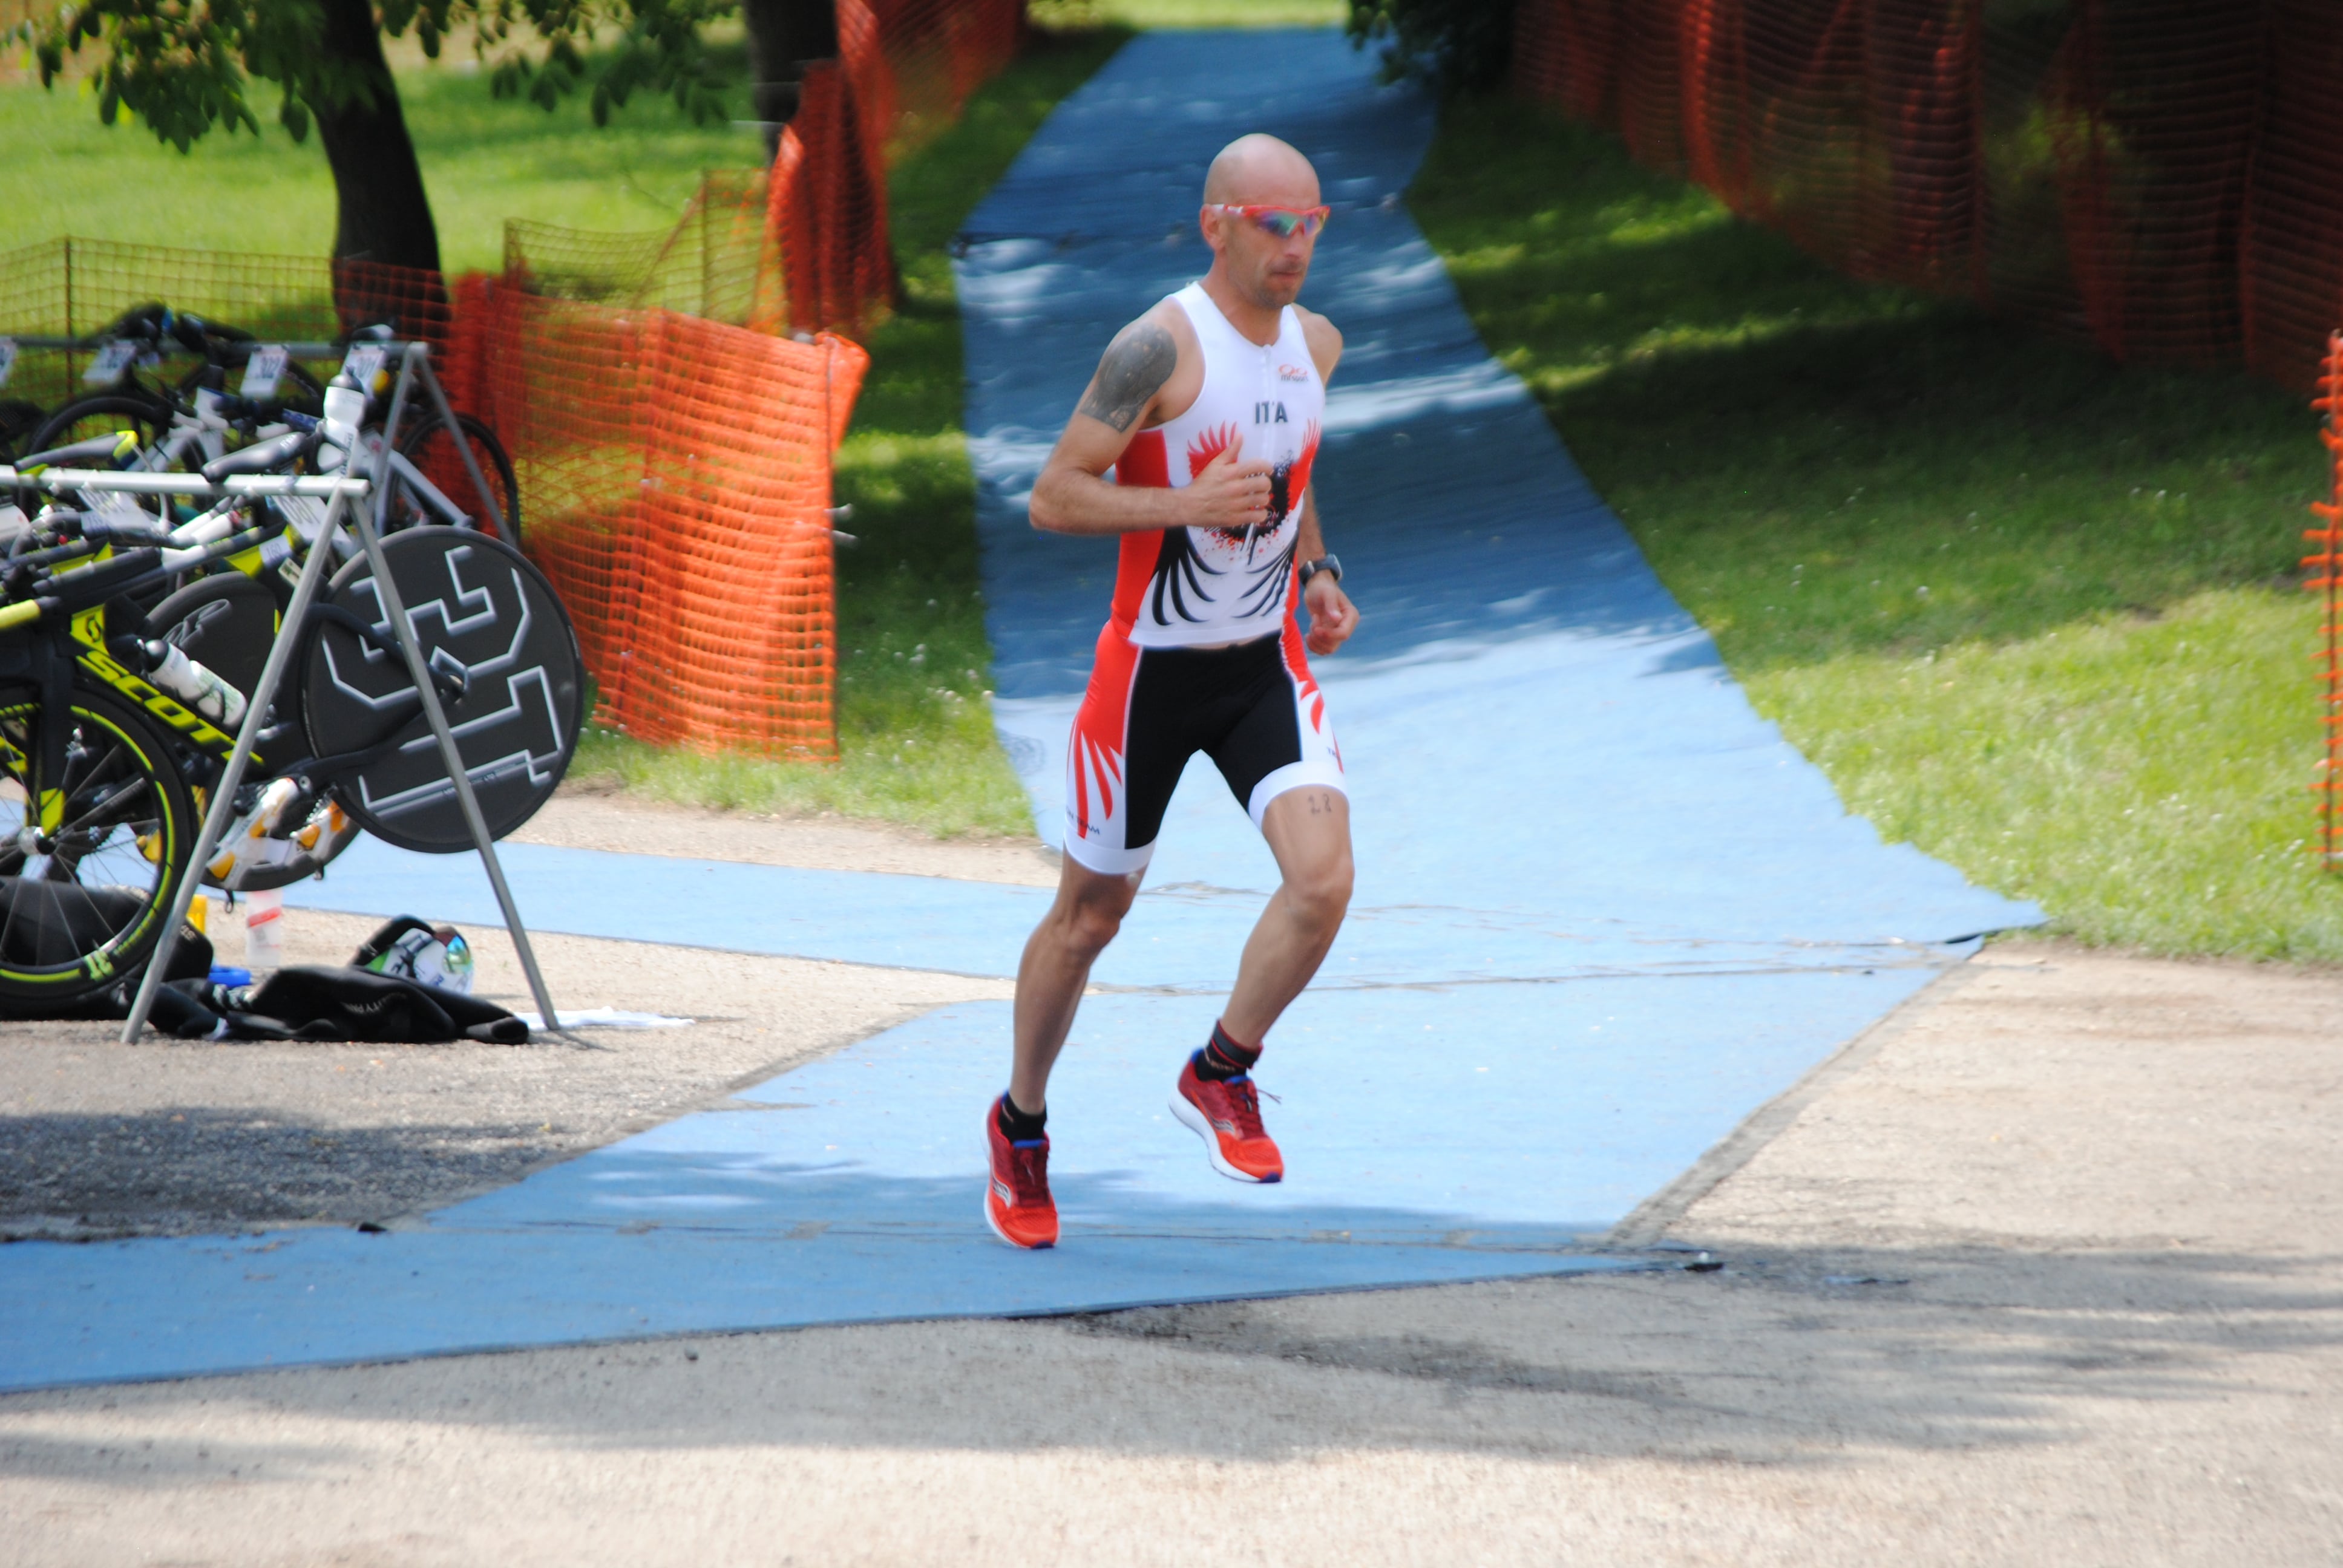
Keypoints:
(194, 685)
(263, 931)
(345, 406)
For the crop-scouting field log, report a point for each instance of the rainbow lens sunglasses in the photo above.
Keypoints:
(1284, 222)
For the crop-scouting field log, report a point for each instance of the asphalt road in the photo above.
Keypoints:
(2048, 1270)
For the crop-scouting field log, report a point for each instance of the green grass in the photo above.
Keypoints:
(483, 161)
(916, 741)
(2033, 613)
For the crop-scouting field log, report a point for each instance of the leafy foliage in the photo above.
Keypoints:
(184, 66)
(1456, 45)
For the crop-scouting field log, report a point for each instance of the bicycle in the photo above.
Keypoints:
(196, 421)
(122, 772)
(196, 414)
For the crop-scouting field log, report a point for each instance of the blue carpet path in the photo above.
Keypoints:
(1604, 911)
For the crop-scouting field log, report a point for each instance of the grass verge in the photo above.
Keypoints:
(483, 161)
(2033, 613)
(916, 741)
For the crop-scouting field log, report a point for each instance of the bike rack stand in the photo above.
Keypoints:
(414, 364)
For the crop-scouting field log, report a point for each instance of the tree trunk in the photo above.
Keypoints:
(783, 35)
(384, 215)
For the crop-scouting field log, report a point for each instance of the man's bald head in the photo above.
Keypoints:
(1259, 170)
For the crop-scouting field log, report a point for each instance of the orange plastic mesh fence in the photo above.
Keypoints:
(915, 61)
(805, 247)
(676, 472)
(2165, 176)
(2324, 569)
(826, 216)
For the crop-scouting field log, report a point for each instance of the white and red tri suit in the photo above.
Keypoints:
(1202, 652)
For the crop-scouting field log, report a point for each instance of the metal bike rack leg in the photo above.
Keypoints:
(416, 357)
(223, 806)
(272, 674)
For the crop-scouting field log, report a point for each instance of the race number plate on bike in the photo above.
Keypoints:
(111, 362)
(263, 370)
(362, 364)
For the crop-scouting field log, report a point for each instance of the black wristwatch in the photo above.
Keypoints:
(1328, 564)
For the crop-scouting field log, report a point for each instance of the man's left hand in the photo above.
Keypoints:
(1333, 617)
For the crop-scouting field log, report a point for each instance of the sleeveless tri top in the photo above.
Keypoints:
(1176, 587)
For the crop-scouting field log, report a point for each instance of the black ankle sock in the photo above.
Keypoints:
(1223, 1059)
(1019, 1126)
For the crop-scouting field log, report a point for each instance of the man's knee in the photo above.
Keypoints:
(1091, 915)
(1320, 892)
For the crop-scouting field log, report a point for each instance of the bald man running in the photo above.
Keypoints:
(1207, 410)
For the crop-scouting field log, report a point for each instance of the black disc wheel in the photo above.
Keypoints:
(429, 448)
(481, 612)
(90, 862)
(226, 623)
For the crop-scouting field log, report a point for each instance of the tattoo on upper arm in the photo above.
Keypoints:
(1137, 363)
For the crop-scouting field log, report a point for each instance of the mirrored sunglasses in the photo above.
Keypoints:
(1282, 222)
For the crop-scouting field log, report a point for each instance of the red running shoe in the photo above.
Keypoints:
(1017, 1202)
(1227, 1117)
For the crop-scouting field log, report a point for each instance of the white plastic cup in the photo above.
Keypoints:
(263, 931)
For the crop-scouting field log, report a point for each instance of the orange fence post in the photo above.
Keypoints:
(2324, 566)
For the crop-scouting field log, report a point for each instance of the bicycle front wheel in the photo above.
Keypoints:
(84, 895)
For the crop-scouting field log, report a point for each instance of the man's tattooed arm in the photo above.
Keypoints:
(1136, 365)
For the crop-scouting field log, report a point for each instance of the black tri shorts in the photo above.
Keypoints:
(1254, 709)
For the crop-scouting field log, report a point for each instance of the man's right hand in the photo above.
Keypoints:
(1228, 494)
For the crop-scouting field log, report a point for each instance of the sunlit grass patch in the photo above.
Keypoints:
(484, 160)
(2141, 778)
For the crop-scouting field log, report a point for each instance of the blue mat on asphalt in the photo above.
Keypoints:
(1178, 938)
(1603, 911)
